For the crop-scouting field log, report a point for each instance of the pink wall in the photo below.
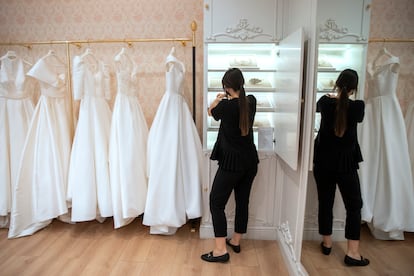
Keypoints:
(45, 20)
(39, 20)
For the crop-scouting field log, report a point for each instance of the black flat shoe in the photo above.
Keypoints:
(325, 250)
(208, 257)
(355, 262)
(236, 248)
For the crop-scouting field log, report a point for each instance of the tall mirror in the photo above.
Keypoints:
(386, 235)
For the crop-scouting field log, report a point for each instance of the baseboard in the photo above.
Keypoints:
(253, 233)
(313, 235)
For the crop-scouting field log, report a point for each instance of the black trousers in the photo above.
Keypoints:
(224, 183)
(350, 189)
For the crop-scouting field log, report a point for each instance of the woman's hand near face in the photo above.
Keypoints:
(218, 98)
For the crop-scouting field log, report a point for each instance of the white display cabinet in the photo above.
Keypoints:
(343, 31)
(238, 33)
(242, 21)
(343, 21)
(258, 64)
(273, 74)
(248, 35)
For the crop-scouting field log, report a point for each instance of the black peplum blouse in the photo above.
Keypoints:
(338, 154)
(233, 151)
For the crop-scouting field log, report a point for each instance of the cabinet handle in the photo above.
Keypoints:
(368, 7)
(206, 6)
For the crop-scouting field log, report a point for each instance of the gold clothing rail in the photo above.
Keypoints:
(129, 41)
(391, 40)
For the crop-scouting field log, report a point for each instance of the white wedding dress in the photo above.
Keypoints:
(89, 190)
(409, 123)
(174, 159)
(385, 174)
(127, 146)
(40, 191)
(16, 110)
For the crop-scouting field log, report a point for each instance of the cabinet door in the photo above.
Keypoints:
(343, 21)
(289, 97)
(241, 20)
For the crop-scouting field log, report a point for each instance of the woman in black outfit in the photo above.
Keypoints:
(237, 159)
(336, 157)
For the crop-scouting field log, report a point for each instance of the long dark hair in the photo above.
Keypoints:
(233, 78)
(347, 81)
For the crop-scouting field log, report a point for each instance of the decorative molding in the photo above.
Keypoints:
(286, 238)
(243, 31)
(331, 31)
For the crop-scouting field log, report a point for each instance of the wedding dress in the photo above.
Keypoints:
(16, 110)
(40, 191)
(89, 190)
(127, 146)
(386, 181)
(174, 159)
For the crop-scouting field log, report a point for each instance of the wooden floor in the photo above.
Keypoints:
(394, 258)
(92, 248)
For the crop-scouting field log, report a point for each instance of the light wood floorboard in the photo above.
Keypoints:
(93, 248)
(393, 258)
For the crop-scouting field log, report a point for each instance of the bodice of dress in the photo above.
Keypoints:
(90, 80)
(51, 76)
(13, 81)
(382, 80)
(174, 76)
(127, 83)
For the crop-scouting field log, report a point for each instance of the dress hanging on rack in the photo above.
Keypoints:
(386, 181)
(16, 110)
(174, 159)
(89, 190)
(40, 191)
(127, 146)
(409, 123)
